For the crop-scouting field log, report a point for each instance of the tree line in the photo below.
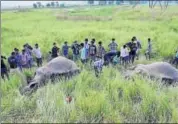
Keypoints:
(48, 5)
(163, 3)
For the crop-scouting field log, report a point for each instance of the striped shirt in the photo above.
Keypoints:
(113, 47)
(101, 51)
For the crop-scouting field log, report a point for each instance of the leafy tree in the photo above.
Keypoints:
(48, 5)
(52, 4)
(39, 4)
(91, 2)
(110, 2)
(119, 1)
(102, 2)
(57, 4)
(62, 5)
(35, 5)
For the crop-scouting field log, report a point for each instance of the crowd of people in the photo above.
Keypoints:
(91, 52)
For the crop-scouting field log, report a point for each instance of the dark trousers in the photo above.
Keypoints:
(132, 56)
(4, 73)
(39, 62)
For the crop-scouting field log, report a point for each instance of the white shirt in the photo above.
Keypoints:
(86, 45)
(124, 52)
(37, 52)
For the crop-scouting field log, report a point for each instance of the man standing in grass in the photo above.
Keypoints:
(92, 52)
(86, 46)
(4, 69)
(101, 50)
(75, 48)
(113, 46)
(124, 55)
(149, 49)
(55, 51)
(98, 65)
(133, 51)
(24, 59)
(65, 49)
(138, 44)
(12, 61)
(83, 53)
(18, 58)
(38, 55)
(28, 50)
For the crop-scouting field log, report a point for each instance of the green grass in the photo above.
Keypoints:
(109, 98)
(41, 26)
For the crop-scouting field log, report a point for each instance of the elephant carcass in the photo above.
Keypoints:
(161, 70)
(56, 68)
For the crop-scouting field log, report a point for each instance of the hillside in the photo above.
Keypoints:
(109, 98)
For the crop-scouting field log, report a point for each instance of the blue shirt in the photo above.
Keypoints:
(12, 61)
(18, 59)
(65, 49)
(83, 53)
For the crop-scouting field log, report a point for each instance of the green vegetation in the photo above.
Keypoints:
(109, 98)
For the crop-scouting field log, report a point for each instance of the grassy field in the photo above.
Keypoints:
(109, 98)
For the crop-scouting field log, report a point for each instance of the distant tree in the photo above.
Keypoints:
(110, 2)
(57, 4)
(102, 2)
(35, 5)
(39, 4)
(163, 4)
(52, 4)
(119, 1)
(62, 5)
(91, 2)
(48, 5)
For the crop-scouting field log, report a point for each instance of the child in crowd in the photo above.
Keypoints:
(83, 53)
(116, 59)
(98, 65)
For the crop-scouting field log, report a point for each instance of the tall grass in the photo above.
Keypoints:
(109, 98)
(42, 26)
